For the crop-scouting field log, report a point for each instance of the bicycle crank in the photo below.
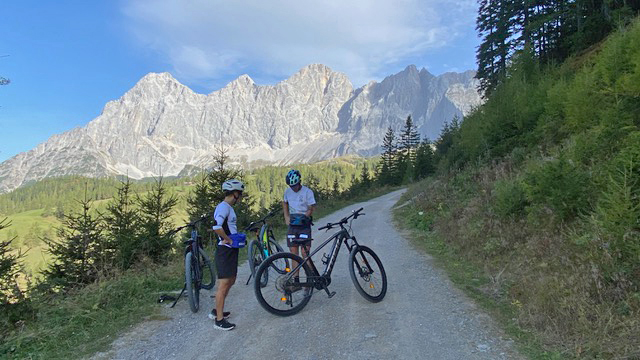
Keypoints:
(329, 293)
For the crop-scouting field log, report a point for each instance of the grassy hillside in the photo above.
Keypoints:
(536, 209)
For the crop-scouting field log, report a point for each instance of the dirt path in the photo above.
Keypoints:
(422, 317)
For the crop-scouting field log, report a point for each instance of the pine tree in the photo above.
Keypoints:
(201, 201)
(77, 253)
(9, 269)
(122, 222)
(335, 189)
(208, 193)
(156, 208)
(313, 183)
(387, 168)
(356, 186)
(445, 141)
(495, 25)
(365, 178)
(409, 140)
(425, 165)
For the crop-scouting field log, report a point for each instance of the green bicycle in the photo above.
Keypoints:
(262, 247)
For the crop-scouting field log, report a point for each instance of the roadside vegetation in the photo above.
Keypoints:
(535, 206)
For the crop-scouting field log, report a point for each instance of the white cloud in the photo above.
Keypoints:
(216, 39)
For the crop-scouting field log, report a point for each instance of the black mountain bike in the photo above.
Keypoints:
(292, 279)
(198, 269)
(262, 247)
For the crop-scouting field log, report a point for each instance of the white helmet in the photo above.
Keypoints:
(233, 184)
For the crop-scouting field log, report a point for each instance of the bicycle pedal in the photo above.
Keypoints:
(330, 294)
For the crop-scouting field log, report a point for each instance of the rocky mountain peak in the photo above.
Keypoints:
(316, 74)
(162, 126)
(157, 79)
(242, 81)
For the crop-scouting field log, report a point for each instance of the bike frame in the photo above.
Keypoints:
(264, 239)
(340, 237)
(263, 234)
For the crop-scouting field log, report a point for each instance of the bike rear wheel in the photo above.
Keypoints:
(367, 273)
(192, 283)
(281, 296)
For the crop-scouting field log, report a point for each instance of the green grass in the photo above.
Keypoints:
(29, 226)
(85, 321)
(538, 277)
(88, 320)
(470, 278)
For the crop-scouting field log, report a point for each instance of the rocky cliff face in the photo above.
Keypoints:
(162, 127)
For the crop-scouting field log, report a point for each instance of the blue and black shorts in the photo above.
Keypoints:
(299, 235)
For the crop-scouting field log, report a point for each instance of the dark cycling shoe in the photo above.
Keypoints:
(224, 325)
(214, 314)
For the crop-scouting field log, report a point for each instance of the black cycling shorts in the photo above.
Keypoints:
(226, 262)
(299, 235)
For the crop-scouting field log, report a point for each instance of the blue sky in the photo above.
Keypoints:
(66, 59)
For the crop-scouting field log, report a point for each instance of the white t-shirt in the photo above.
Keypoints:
(225, 211)
(299, 202)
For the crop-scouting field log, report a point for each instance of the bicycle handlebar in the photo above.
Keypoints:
(191, 224)
(263, 220)
(344, 220)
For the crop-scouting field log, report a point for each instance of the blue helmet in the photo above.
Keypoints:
(293, 177)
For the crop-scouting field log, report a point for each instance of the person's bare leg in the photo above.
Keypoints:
(223, 289)
(306, 250)
(294, 250)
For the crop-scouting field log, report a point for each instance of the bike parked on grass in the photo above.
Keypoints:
(262, 247)
(198, 270)
(292, 279)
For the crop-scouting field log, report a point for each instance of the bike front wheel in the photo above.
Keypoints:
(285, 293)
(254, 256)
(367, 273)
(191, 281)
(208, 279)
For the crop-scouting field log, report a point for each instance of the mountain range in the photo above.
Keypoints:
(161, 127)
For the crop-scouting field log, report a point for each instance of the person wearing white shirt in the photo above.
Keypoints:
(226, 256)
(298, 204)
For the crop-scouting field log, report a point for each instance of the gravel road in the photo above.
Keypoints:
(422, 317)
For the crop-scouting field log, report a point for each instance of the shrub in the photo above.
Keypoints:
(559, 185)
(617, 213)
(510, 198)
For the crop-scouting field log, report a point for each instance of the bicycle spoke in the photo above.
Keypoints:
(283, 293)
(367, 274)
